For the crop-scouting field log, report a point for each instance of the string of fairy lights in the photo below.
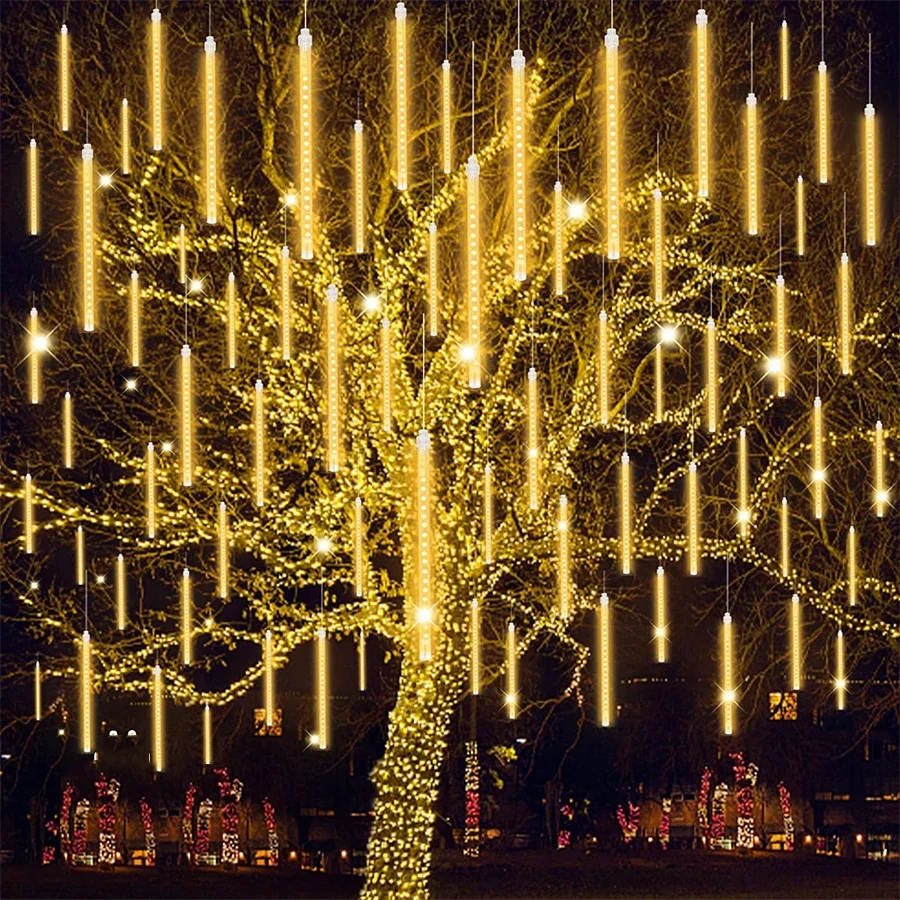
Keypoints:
(427, 608)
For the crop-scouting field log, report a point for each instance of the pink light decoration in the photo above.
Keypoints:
(629, 824)
(230, 792)
(79, 829)
(472, 833)
(271, 831)
(64, 829)
(187, 817)
(703, 804)
(107, 795)
(149, 836)
(664, 822)
(745, 781)
(201, 845)
(784, 798)
(567, 813)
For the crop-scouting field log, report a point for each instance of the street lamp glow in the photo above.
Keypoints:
(668, 334)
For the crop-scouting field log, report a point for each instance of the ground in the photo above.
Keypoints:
(525, 874)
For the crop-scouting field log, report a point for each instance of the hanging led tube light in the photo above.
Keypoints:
(125, 138)
(433, 296)
(38, 703)
(603, 369)
(362, 660)
(269, 680)
(424, 546)
(332, 380)
(231, 321)
(28, 514)
(37, 343)
(613, 148)
(473, 268)
(121, 594)
(559, 241)
(87, 695)
(322, 718)
(840, 675)
(520, 224)
(80, 574)
(881, 492)
(703, 110)
(259, 444)
(796, 638)
(187, 418)
(625, 515)
(743, 511)
(659, 394)
(852, 552)
(156, 702)
(784, 56)
(33, 188)
(785, 538)
(712, 376)
(800, 212)
(285, 303)
(488, 515)
(88, 237)
(845, 324)
(68, 431)
(729, 701)
(532, 439)
(446, 118)
(387, 388)
(604, 661)
(359, 549)
(512, 681)
(150, 490)
(474, 648)
(156, 80)
(359, 188)
(210, 111)
(693, 519)
(661, 627)
(207, 736)
(182, 254)
(187, 618)
(753, 179)
(65, 79)
(401, 87)
(307, 177)
(818, 459)
(822, 124)
(134, 320)
(779, 362)
(659, 247)
(223, 563)
(565, 560)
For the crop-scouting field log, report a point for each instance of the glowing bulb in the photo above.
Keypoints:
(852, 550)
(322, 688)
(307, 176)
(822, 122)
(703, 111)
(532, 440)
(446, 117)
(87, 696)
(753, 179)
(207, 736)
(121, 594)
(474, 649)
(785, 538)
(625, 524)
(693, 519)
(401, 87)
(424, 541)
(38, 705)
(613, 159)
(387, 415)
(728, 691)
(668, 334)
(577, 209)
(661, 627)
(359, 188)
(37, 344)
(466, 353)
(818, 459)
(604, 661)
(101, 579)
(512, 681)
(130, 384)
(210, 129)
(840, 678)
(881, 492)
(712, 376)
(520, 225)
(285, 303)
(187, 418)
(870, 194)
(785, 61)
(195, 286)
(64, 79)
(845, 307)
(743, 484)
(603, 369)
(362, 660)
(559, 241)
(80, 573)
(323, 545)
(433, 296)
(488, 515)
(332, 380)
(150, 490)
(156, 701)
(800, 213)
(88, 236)
(182, 255)
(33, 201)
(424, 615)
(269, 679)
(565, 560)
(658, 384)
(290, 199)
(796, 637)
(187, 618)
(359, 548)
(106, 180)
(167, 447)
(231, 321)
(156, 80)
(28, 514)
(473, 267)
(223, 561)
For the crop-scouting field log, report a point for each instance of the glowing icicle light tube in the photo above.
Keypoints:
(387, 402)
(187, 418)
(785, 538)
(231, 321)
(604, 661)
(80, 574)
(446, 118)
(693, 519)
(285, 303)
(512, 680)
(659, 391)
(207, 736)
(33, 219)
(433, 296)
(779, 363)
(743, 513)
(68, 432)
(125, 138)
(134, 320)
(401, 87)
(852, 551)
(88, 236)
(36, 346)
(359, 188)
(87, 696)
(800, 214)
(840, 676)
(473, 267)
(565, 559)
(38, 704)
(269, 679)
(703, 113)
(362, 660)
(845, 307)
(488, 515)
(187, 618)
(712, 376)
(822, 149)
(881, 492)
(818, 459)
(559, 242)
(533, 438)
(613, 148)
(796, 636)
(603, 369)
(259, 444)
(728, 690)
(753, 187)
(223, 561)
(150, 490)
(65, 79)
(28, 514)
(156, 80)
(784, 54)
(121, 594)
(625, 503)
(475, 648)
(660, 631)
(307, 182)
(424, 545)
(659, 247)
(359, 549)
(332, 380)
(322, 725)
(210, 130)
(520, 224)
(156, 702)
(182, 255)
(870, 222)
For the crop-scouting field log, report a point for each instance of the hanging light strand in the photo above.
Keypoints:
(36, 345)
(33, 188)
(125, 138)
(28, 514)
(401, 84)
(182, 254)
(660, 631)
(210, 111)
(488, 515)
(743, 512)
(224, 541)
(785, 538)
(784, 55)
(625, 515)
(121, 594)
(187, 418)
(87, 697)
(703, 110)
(231, 321)
(156, 80)
(728, 690)
(512, 680)
(712, 376)
(322, 717)
(387, 388)
(604, 661)
(80, 574)
(150, 490)
(796, 636)
(269, 679)
(845, 305)
(65, 79)
(613, 141)
(779, 362)
(693, 519)
(753, 142)
(822, 124)
(881, 492)
(361, 658)
(68, 436)
(565, 559)
(285, 303)
(659, 247)
(818, 459)
(659, 389)
(156, 691)
(332, 380)
(852, 553)
(259, 444)
(475, 648)
(533, 441)
(359, 549)
(840, 675)
(187, 618)
(446, 117)
(38, 703)
(433, 286)
(520, 224)
(870, 193)
(559, 241)
(359, 188)
(207, 736)
(603, 368)
(473, 269)
(800, 214)
(88, 236)
(307, 177)
(424, 545)
(134, 319)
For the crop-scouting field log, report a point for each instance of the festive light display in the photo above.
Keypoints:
(37, 343)
(361, 659)
(822, 123)
(157, 78)
(559, 241)
(204, 814)
(703, 106)
(68, 437)
(230, 791)
(520, 225)
(187, 618)
(259, 444)
(446, 117)
(33, 187)
(473, 269)
(107, 795)
(818, 459)
(182, 254)
(207, 736)
(65, 810)
(744, 513)
(433, 285)
(223, 557)
(307, 177)
(613, 141)
(777, 364)
(785, 538)
(65, 78)
(332, 380)
(659, 247)
(38, 704)
(852, 550)
(359, 548)
(488, 523)
(475, 649)
(187, 818)
(387, 391)
(231, 321)
(603, 368)
(658, 383)
(271, 831)
(472, 783)
(630, 823)
(532, 442)
(186, 408)
(565, 559)
(753, 179)
(626, 550)
(156, 714)
(359, 188)
(149, 834)
(150, 490)
(693, 519)
(285, 303)
(88, 237)
(784, 799)
(512, 680)
(269, 678)
(125, 138)
(79, 830)
(712, 376)
(870, 194)
(745, 780)
(796, 638)
(80, 573)
(881, 492)
(210, 130)
(800, 214)
(424, 545)
(604, 662)
(323, 729)
(121, 594)
(661, 627)
(727, 688)
(840, 676)
(664, 819)
(717, 829)
(564, 835)
(28, 514)
(845, 316)
(401, 89)
(134, 320)
(87, 695)
(702, 804)
(784, 60)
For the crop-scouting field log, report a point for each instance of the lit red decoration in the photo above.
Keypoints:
(230, 792)
(629, 824)
(745, 781)
(64, 812)
(187, 818)
(472, 835)
(702, 805)
(664, 822)
(271, 831)
(79, 830)
(566, 814)
(49, 852)
(784, 798)
(201, 846)
(149, 836)
(107, 795)
(717, 831)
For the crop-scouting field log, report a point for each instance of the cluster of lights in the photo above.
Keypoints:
(472, 784)
(271, 831)
(745, 779)
(784, 800)
(629, 823)
(332, 380)
(717, 829)
(149, 834)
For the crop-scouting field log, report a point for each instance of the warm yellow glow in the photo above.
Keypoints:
(134, 320)
(223, 561)
(845, 316)
(532, 442)
(156, 80)
(231, 322)
(475, 649)
(259, 444)
(80, 573)
(473, 268)
(359, 188)
(840, 676)
(88, 236)
(852, 550)
(659, 395)
(33, 201)
(801, 216)
(38, 704)
(401, 88)
(65, 79)
(186, 401)
(28, 514)
(778, 362)
(728, 688)
(150, 490)
(796, 635)
(753, 178)
(87, 696)
(744, 513)
(565, 559)
(822, 125)
(361, 655)
(125, 138)
(613, 145)
(870, 191)
(187, 618)
(881, 491)
(604, 662)
(210, 130)
(359, 548)
(446, 118)
(520, 224)
(703, 112)
(424, 545)
(307, 176)
(121, 594)
(488, 515)
(625, 517)
(559, 241)
(37, 345)
(182, 254)
(322, 717)
(512, 681)
(156, 702)
(603, 369)
(818, 459)
(269, 679)
(659, 248)
(785, 538)
(207, 736)
(661, 625)
(387, 387)
(784, 54)
(712, 376)
(433, 285)
(332, 380)
(285, 303)
(693, 519)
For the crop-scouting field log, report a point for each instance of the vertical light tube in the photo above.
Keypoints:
(87, 696)
(625, 540)
(475, 648)
(359, 188)
(125, 138)
(35, 349)
(840, 677)
(68, 431)
(781, 337)
(210, 130)
(703, 112)
(446, 117)
(845, 307)
(728, 690)
(359, 549)
(784, 54)
(659, 391)
(743, 514)
(660, 631)
(488, 515)
(520, 224)
(559, 241)
(387, 400)
(80, 574)
(28, 514)
(332, 380)
(800, 213)
(870, 221)
(822, 141)
(881, 492)
(712, 376)
(259, 444)
(818, 459)
(613, 140)
(88, 287)
(753, 185)
(156, 692)
(433, 296)
(134, 319)
(307, 178)
(224, 541)
(401, 87)
(659, 247)
(65, 79)
(150, 490)
(182, 254)
(473, 267)
(693, 519)
(156, 80)
(207, 736)
(322, 725)
(852, 551)
(121, 594)
(187, 418)
(38, 704)
(187, 618)
(532, 439)
(604, 661)
(512, 681)
(231, 323)
(362, 660)
(796, 636)
(603, 369)
(565, 560)
(785, 538)
(33, 201)
(425, 550)
(285, 303)
(269, 679)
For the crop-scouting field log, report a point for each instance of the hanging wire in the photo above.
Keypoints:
(779, 242)
(728, 584)
(657, 154)
(423, 369)
(603, 282)
(447, 29)
(817, 365)
(823, 30)
(473, 98)
(519, 25)
(870, 68)
(845, 221)
(751, 57)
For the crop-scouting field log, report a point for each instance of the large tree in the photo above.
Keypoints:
(713, 269)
